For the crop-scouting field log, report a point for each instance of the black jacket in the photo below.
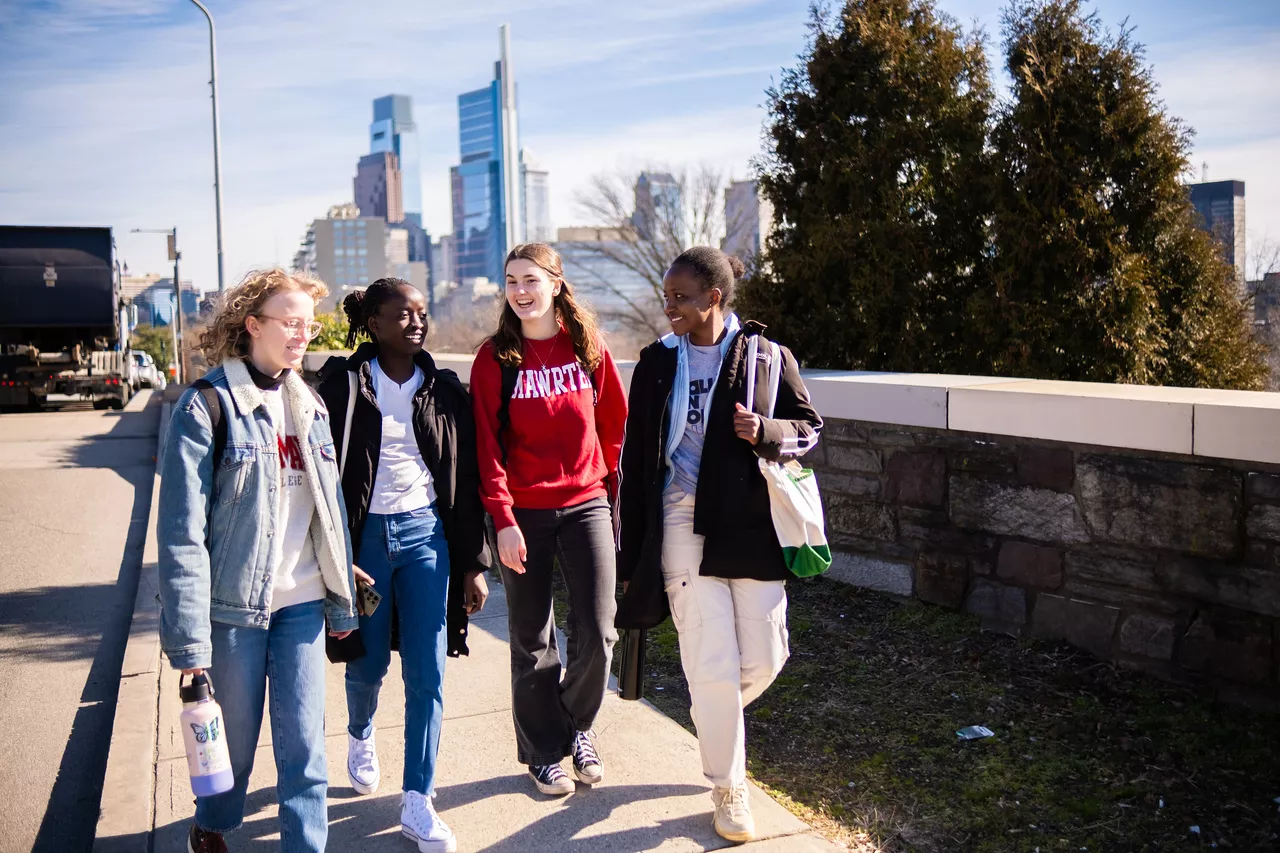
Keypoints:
(445, 430)
(731, 507)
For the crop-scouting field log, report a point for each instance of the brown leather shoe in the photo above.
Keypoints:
(199, 841)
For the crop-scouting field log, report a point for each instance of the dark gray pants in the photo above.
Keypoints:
(547, 710)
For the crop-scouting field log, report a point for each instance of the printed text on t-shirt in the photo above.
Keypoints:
(698, 391)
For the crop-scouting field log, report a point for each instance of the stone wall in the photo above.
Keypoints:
(1165, 562)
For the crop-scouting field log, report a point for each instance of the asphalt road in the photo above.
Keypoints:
(75, 490)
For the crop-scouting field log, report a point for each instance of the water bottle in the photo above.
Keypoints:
(205, 738)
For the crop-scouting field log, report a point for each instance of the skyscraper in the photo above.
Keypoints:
(393, 130)
(1221, 208)
(537, 200)
(659, 206)
(377, 187)
(485, 184)
(748, 219)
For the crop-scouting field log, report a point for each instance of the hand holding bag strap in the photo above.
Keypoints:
(346, 426)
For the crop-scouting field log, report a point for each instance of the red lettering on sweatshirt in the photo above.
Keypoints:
(290, 452)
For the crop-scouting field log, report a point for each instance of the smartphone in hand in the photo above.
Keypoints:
(367, 598)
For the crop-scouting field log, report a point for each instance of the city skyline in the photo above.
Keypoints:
(668, 85)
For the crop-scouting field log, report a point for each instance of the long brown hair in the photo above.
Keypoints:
(226, 337)
(578, 320)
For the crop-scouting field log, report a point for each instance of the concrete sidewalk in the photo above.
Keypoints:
(654, 796)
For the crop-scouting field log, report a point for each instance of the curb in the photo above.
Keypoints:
(127, 815)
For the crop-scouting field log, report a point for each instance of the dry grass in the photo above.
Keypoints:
(857, 737)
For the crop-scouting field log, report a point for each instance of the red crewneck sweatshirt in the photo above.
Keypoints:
(560, 447)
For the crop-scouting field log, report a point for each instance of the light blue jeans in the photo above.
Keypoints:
(408, 559)
(288, 656)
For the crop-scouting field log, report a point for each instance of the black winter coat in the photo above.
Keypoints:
(445, 431)
(731, 507)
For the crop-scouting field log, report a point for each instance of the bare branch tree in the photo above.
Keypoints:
(1263, 259)
(1263, 299)
(637, 230)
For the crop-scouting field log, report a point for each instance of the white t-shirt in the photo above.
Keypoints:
(296, 575)
(704, 367)
(403, 481)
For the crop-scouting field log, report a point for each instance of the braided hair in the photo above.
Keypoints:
(360, 305)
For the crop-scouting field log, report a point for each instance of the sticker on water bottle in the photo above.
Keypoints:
(210, 748)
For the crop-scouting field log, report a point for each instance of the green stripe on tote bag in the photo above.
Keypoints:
(794, 501)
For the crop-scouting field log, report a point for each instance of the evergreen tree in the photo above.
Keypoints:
(1099, 272)
(878, 178)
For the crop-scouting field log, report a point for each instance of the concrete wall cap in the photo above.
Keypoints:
(1240, 425)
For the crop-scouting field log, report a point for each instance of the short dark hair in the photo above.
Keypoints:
(712, 268)
(360, 305)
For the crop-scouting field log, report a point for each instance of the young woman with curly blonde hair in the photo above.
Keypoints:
(254, 557)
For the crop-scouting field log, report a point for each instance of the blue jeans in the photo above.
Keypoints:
(288, 655)
(408, 558)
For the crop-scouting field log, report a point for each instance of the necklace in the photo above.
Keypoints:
(534, 352)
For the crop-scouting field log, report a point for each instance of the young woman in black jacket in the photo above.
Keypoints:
(411, 487)
(697, 537)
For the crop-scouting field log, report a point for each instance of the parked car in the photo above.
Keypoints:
(148, 374)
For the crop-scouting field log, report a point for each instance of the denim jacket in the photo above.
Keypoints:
(215, 527)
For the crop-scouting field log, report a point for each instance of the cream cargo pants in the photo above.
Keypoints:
(733, 642)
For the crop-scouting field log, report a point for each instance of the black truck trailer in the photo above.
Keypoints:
(63, 327)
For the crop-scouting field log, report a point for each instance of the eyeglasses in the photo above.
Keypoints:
(296, 327)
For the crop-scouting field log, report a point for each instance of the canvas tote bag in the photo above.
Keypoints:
(794, 501)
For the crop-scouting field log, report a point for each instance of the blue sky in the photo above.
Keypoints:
(104, 110)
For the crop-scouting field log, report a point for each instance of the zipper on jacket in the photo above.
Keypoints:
(663, 429)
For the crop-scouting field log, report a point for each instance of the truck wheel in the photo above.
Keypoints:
(117, 403)
(100, 405)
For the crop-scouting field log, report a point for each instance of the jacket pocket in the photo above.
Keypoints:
(234, 474)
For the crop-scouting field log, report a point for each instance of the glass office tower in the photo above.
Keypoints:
(393, 130)
(479, 199)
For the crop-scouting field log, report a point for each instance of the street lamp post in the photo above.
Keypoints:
(217, 156)
(174, 255)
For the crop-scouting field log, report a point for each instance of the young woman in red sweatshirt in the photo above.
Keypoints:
(548, 460)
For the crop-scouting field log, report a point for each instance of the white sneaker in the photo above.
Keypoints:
(733, 819)
(419, 822)
(362, 764)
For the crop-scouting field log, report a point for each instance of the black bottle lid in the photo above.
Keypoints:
(198, 690)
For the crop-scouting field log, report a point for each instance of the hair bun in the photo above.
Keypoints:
(738, 267)
(351, 305)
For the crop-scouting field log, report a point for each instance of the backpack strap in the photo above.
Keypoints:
(774, 357)
(346, 426)
(213, 403)
(509, 377)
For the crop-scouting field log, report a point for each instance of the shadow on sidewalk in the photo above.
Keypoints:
(54, 624)
(372, 824)
(76, 626)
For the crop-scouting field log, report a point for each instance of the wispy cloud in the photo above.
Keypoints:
(104, 110)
